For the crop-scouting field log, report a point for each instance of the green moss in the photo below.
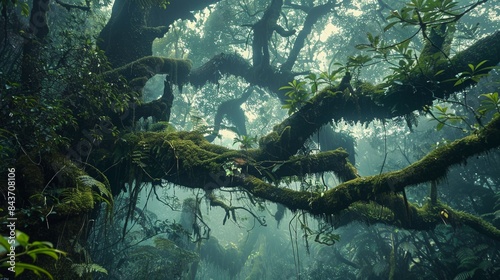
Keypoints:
(292, 199)
(369, 89)
(66, 170)
(75, 201)
(269, 139)
(372, 211)
(162, 126)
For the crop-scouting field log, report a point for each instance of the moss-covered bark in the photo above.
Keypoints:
(431, 167)
(372, 102)
(57, 199)
(189, 160)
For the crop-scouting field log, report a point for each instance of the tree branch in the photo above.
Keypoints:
(140, 71)
(68, 7)
(377, 102)
(313, 15)
(431, 167)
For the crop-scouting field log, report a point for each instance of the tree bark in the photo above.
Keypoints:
(313, 15)
(132, 28)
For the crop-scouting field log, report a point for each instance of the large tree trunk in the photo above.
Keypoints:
(130, 32)
(123, 38)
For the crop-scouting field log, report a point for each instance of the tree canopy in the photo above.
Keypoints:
(340, 113)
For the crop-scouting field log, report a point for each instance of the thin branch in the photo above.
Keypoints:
(71, 6)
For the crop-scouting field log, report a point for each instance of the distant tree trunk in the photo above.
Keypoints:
(31, 64)
(330, 140)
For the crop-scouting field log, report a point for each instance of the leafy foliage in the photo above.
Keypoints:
(443, 116)
(83, 269)
(489, 103)
(475, 74)
(33, 249)
(246, 142)
(76, 97)
(103, 192)
(297, 95)
(428, 13)
(471, 263)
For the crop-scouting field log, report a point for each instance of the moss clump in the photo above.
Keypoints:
(66, 170)
(269, 140)
(372, 211)
(369, 89)
(76, 201)
(162, 127)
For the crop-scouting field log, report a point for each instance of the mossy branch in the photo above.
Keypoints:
(335, 161)
(390, 209)
(431, 167)
(221, 64)
(187, 159)
(141, 70)
(373, 102)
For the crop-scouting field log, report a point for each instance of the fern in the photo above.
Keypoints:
(464, 275)
(76, 200)
(141, 154)
(464, 253)
(87, 268)
(380, 267)
(105, 192)
(481, 247)
(470, 261)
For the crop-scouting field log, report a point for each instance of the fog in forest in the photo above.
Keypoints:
(256, 139)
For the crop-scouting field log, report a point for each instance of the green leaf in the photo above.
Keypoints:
(4, 243)
(20, 267)
(390, 25)
(441, 109)
(480, 63)
(22, 238)
(43, 244)
(490, 102)
(438, 73)
(314, 87)
(459, 82)
(25, 9)
(285, 87)
(54, 253)
(362, 46)
(370, 37)
(276, 167)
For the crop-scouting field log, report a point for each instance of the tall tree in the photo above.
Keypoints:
(74, 117)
